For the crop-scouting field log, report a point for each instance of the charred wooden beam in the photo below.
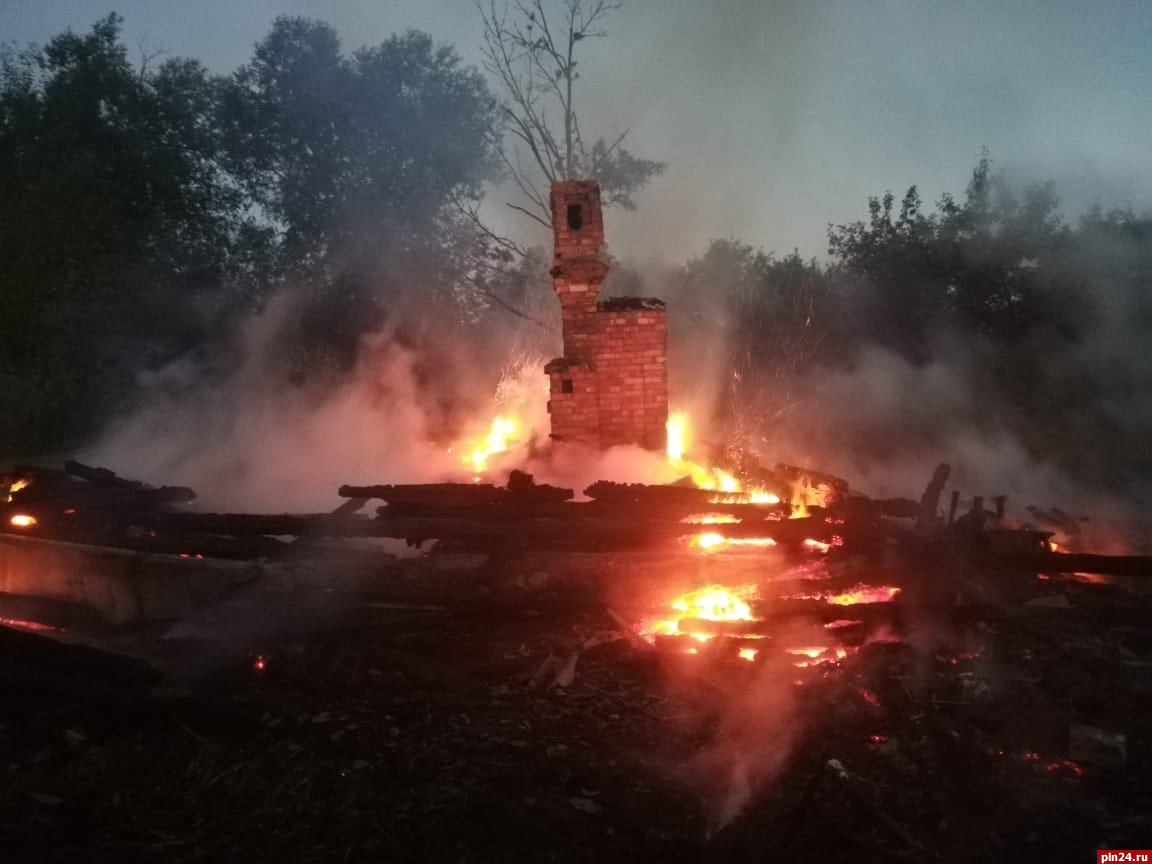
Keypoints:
(523, 487)
(442, 494)
(511, 510)
(104, 477)
(1064, 562)
(244, 524)
(930, 500)
(680, 501)
(521, 493)
(169, 542)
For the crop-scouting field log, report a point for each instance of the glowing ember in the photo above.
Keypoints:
(504, 433)
(1068, 764)
(747, 653)
(853, 596)
(28, 625)
(22, 520)
(259, 663)
(1092, 578)
(817, 546)
(759, 496)
(717, 604)
(711, 541)
(711, 519)
(816, 656)
(869, 697)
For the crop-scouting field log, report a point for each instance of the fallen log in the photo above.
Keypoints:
(521, 491)
(593, 531)
(1065, 562)
(687, 498)
(769, 622)
(440, 494)
(50, 493)
(105, 477)
(930, 500)
(243, 524)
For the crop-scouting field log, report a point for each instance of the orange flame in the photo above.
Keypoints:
(853, 596)
(17, 485)
(817, 656)
(730, 490)
(712, 541)
(714, 603)
(711, 519)
(22, 520)
(504, 432)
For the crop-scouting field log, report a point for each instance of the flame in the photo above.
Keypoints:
(22, 520)
(708, 541)
(714, 603)
(17, 485)
(747, 653)
(711, 541)
(730, 490)
(711, 519)
(853, 596)
(806, 493)
(504, 432)
(817, 655)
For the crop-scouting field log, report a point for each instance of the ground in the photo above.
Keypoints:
(408, 734)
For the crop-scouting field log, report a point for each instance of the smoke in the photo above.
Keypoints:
(754, 736)
(244, 431)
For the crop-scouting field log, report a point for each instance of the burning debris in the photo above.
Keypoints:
(805, 649)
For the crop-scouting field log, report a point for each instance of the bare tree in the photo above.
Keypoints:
(530, 48)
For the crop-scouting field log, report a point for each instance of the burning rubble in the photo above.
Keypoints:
(822, 636)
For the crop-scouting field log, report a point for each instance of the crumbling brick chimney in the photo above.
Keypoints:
(611, 385)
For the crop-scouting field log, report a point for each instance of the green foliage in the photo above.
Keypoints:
(143, 204)
(985, 267)
(356, 159)
(758, 321)
(118, 228)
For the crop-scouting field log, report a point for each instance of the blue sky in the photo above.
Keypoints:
(777, 118)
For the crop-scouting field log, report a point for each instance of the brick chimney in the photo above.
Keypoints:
(611, 385)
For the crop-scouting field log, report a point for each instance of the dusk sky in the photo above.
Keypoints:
(776, 118)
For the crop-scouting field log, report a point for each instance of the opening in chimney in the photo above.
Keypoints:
(566, 385)
(575, 217)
